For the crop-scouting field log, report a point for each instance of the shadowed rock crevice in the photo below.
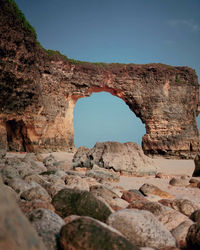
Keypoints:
(41, 88)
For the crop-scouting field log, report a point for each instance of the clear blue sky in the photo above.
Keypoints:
(137, 31)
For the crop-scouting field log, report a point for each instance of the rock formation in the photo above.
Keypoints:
(39, 89)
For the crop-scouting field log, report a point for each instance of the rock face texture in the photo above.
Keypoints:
(126, 158)
(39, 89)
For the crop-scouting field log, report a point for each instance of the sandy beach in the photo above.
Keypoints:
(170, 167)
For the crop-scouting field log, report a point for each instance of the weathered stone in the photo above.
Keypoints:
(54, 189)
(166, 202)
(141, 228)
(28, 206)
(164, 214)
(138, 204)
(194, 180)
(196, 172)
(76, 182)
(36, 178)
(102, 191)
(186, 207)
(195, 216)
(50, 162)
(103, 175)
(19, 185)
(150, 189)
(75, 202)
(80, 158)
(121, 157)
(131, 196)
(15, 229)
(86, 233)
(180, 233)
(193, 237)
(70, 218)
(48, 225)
(179, 182)
(36, 193)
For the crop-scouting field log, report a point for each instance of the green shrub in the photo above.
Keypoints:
(22, 18)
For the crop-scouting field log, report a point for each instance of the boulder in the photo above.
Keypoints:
(180, 233)
(103, 175)
(131, 196)
(193, 237)
(186, 207)
(121, 157)
(80, 158)
(28, 206)
(141, 228)
(150, 189)
(195, 216)
(16, 232)
(86, 233)
(165, 214)
(75, 202)
(48, 225)
(196, 172)
(76, 182)
(19, 185)
(35, 193)
(50, 163)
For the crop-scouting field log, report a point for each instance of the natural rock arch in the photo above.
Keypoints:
(105, 117)
(40, 88)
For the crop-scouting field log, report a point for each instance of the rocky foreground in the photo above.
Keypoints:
(50, 204)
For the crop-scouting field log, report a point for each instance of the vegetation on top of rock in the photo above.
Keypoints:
(21, 17)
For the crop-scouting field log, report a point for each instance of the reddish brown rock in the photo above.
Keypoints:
(28, 206)
(39, 89)
(130, 196)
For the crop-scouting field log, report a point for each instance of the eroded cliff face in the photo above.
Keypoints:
(39, 91)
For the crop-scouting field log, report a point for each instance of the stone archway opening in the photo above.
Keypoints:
(17, 137)
(104, 116)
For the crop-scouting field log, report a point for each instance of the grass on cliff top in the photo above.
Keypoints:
(57, 53)
(22, 18)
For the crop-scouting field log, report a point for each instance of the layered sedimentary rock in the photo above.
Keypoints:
(39, 89)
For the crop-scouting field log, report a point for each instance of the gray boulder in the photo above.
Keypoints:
(48, 225)
(120, 157)
(141, 228)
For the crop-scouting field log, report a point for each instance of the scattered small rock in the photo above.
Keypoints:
(150, 189)
(131, 196)
(179, 182)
